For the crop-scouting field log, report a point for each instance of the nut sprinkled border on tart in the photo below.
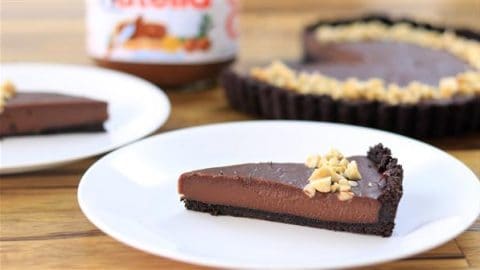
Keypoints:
(280, 75)
(466, 83)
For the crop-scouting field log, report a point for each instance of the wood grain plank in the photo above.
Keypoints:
(96, 252)
(42, 180)
(469, 243)
(426, 264)
(28, 254)
(41, 212)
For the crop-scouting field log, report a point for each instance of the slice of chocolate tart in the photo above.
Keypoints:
(29, 113)
(358, 194)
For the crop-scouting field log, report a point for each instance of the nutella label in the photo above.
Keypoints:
(162, 31)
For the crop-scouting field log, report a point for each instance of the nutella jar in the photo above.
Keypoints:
(168, 42)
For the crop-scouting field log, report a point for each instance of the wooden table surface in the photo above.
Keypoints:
(41, 225)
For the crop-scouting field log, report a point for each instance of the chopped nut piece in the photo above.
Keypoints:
(322, 184)
(321, 173)
(333, 162)
(345, 195)
(312, 161)
(448, 87)
(334, 187)
(336, 177)
(345, 188)
(334, 153)
(309, 189)
(322, 161)
(7, 90)
(353, 183)
(352, 172)
(344, 162)
(343, 182)
(344, 185)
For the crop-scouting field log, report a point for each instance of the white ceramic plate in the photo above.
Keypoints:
(136, 108)
(131, 194)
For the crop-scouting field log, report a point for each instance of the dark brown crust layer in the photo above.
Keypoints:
(393, 175)
(96, 127)
(422, 120)
(383, 229)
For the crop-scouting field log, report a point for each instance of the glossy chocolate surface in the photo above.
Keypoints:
(394, 62)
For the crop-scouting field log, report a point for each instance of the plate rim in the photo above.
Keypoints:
(17, 169)
(210, 262)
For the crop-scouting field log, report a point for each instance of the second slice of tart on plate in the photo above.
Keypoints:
(358, 194)
(30, 113)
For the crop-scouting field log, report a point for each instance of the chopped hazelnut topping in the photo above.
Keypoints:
(7, 91)
(334, 153)
(344, 185)
(336, 177)
(334, 187)
(309, 189)
(322, 184)
(321, 172)
(353, 183)
(312, 161)
(344, 162)
(345, 195)
(345, 188)
(333, 173)
(352, 172)
(333, 162)
(467, 83)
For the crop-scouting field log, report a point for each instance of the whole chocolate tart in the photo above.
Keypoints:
(29, 113)
(394, 74)
(360, 198)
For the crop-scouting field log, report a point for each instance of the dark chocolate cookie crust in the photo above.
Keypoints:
(393, 176)
(423, 120)
(392, 173)
(383, 229)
